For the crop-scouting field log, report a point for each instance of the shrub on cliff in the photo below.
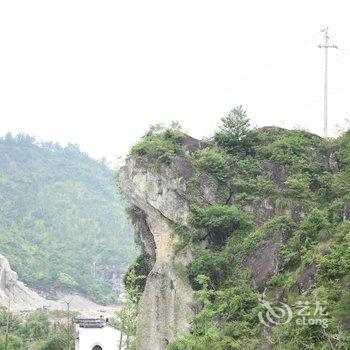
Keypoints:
(337, 264)
(214, 265)
(213, 162)
(219, 221)
(159, 143)
(295, 149)
(135, 277)
(314, 228)
(235, 133)
(344, 150)
(297, 187)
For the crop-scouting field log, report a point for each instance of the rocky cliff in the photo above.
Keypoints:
(14, 293)
(160, 200)
(21, 299)
(256, 219)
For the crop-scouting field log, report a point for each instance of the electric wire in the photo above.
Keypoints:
(305, 105)
(344, 50)
(257, 71)
(294, 83)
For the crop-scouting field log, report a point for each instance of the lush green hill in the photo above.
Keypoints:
(269, 223)
(60, 213)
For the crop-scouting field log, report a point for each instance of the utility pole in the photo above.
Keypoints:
(93, 270)
(7, 325)
(68, 320)
(121, 339)
(326, 46)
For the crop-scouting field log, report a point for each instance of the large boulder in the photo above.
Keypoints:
(13, 293)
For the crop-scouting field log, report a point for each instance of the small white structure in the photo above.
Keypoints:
(95, 334)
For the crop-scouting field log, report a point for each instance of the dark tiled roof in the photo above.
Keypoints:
(91, 322)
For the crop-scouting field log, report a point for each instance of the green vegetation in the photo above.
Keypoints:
(264, 171)
(160, 144)
(135, 277)
(134, 282)
(60, 213)
(235, 134)
(42, 330)
(219, 221)
(213, 162)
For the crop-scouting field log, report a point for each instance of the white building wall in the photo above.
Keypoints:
(107, 337)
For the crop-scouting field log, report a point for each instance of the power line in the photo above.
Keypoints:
(344, 50)
(294, 83)
(305, 105)
(286, 87)
(255, 72)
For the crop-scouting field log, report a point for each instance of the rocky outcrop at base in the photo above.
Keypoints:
(14, 293)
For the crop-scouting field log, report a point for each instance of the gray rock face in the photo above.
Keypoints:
(159, 198)
(148, 245)
(113, 275)
(277, 172)
(265, 262)
(15, 293)
(307, 278)
(263, 211)
(163, 192)
(346, 215)
(333, 163)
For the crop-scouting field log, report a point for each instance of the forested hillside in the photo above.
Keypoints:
(60, 213)
(257, 223)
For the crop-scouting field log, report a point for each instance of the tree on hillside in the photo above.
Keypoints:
(235, 133)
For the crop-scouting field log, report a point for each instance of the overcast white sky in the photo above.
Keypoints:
(98, 73)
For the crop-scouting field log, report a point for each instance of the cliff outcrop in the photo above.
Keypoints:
(236, 220)
(14, 292)
(159, 201)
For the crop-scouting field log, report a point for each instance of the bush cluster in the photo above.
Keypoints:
(160, 144)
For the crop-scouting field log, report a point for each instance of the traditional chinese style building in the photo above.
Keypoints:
(95, 334)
